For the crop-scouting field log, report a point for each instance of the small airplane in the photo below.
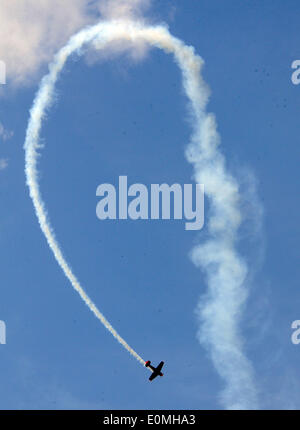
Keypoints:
(155, 370)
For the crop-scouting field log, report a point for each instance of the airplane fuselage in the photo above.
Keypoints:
(156, 371)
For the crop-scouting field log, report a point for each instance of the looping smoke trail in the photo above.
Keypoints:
(219, 312)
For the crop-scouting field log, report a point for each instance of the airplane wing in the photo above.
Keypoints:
(154, 375)
(159, 367)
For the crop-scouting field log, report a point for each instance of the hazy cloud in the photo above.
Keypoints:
(123, 8)
(5, 134)
(32, 31)
(3, 163)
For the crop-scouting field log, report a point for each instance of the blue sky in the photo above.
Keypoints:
(120, 117)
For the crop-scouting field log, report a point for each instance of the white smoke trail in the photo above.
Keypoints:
(225, 270)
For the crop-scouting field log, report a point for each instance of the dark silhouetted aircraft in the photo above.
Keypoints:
(155, 370)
